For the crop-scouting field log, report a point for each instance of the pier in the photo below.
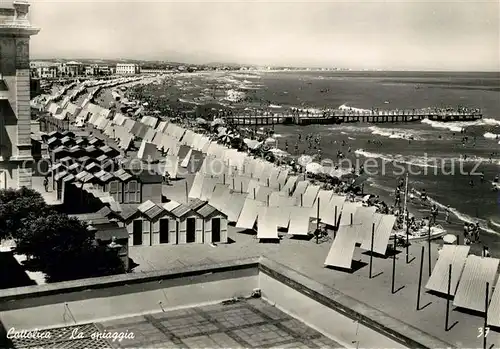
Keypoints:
(345, 116)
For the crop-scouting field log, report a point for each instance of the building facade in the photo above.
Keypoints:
(127, 69)
(15, 114)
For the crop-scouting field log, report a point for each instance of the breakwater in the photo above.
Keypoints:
(344, 116)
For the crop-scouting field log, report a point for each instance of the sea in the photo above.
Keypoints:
(433, 153)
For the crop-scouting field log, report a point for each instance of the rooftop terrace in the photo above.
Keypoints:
(249, 323)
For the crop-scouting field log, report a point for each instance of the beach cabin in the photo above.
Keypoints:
(190, 224)
(126, 188)
(162, 226)
(131, 218)
(214, 224)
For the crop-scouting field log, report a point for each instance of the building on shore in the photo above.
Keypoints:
(15, 121)
(127, 69)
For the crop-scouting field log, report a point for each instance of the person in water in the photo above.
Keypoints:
(423, 195)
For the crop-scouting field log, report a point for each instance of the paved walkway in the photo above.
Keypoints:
(246, 324)
(307, 257)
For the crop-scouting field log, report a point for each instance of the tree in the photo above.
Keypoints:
(64, 249)
(18, 206)
(60, 246)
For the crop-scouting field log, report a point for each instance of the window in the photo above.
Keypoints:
(163, 231)
(115, 190)
(132, 192)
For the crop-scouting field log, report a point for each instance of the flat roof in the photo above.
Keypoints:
(248, 323)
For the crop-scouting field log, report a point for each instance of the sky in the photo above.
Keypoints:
(387, 35)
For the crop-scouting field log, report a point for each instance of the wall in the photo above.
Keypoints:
(125, 295)
(340, 317)
(151, 191)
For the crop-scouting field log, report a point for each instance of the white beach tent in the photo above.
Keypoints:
(220, 194)
(342, 250)
(266, 226)
(290, 185)
(249, 214)
(333, 210)
(309, 196)
(233, 206)
(208, 187)
(185, 161)
(299, 220)
(196, 187)
(171, 164)
(348, 211)
(324, 197)
(280, 215)
(147, 151)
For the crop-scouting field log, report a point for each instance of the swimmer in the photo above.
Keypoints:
(495, 180)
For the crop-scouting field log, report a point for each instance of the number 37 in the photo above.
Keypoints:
(483, 332)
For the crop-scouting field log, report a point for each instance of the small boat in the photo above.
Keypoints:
(422, 234)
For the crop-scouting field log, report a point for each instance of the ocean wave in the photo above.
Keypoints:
(372, 183)
(411, 160)
(454, 127)
(346, 107)
(495, 224)
(460, 215)
(458, 126)
(491, 122)
(352, 139)
(246, 76)
(394, 133)
(275, 106)
(490, 135)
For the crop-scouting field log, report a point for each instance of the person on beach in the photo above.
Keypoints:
(476, 232)
(423, 195)
(486, 252)
(434, 214)
(46, 183)
(447, 214)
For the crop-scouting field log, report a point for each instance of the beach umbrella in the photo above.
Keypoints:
(201, 121)
(225, 138)
(221, 130)
(449, 239)
(217, 121)
(366, 197)
(278, 152)
(314, 168)
(251, 143)
(303, 160)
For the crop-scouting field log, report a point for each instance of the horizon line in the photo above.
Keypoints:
(272, 66)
